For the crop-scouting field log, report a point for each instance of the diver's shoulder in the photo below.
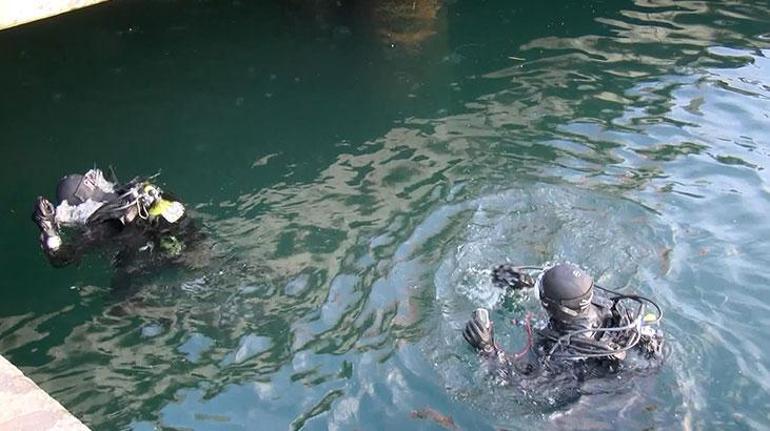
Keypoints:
(601, 301)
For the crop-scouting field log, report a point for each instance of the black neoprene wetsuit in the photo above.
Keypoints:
(140, 239)
(138, 219)
(602, 313)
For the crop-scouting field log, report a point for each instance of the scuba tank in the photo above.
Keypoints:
(139, 198)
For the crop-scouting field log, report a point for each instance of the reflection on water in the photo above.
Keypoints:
(632, 141)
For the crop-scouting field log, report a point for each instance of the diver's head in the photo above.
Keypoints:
(566, 291)
(67, 189)
(76, 188)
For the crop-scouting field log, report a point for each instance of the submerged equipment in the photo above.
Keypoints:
(171, 246)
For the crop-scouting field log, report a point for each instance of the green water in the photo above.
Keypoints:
(358, 168)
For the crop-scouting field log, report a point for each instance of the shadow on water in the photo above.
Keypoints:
(356, 219)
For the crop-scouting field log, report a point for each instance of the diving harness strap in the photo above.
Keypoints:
(143, 200)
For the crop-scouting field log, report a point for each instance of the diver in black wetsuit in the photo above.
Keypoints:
(138, 217)
(586, 333)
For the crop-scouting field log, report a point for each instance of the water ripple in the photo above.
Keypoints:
(636, 148)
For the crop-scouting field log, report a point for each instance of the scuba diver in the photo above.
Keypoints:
(587, 333)
(92, 212)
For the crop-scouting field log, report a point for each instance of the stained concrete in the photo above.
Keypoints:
(16, 12)
(26, 407)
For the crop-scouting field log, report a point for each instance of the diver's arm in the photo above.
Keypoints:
(650, 337)
(510, 277)
(613, 315)
(651, 342)
(480, 334)
(59, 252)
(44, 216)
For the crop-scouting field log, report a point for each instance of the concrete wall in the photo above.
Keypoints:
(15, 12)
(26, 407)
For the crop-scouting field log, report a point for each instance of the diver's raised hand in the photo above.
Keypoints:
(44, 216)
(479, 332)
(510, 277)
(44, 210)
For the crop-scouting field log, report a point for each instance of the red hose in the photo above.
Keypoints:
(528, 328)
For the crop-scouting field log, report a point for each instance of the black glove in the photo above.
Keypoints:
(509, 277)
(479, 332)
(44, 215)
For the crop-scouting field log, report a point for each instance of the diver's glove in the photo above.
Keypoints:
(480, 332)
(509, 277)
(44, 216)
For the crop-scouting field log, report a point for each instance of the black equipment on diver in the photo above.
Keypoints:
(480, 331)
(581, 348)
(77, 188)
(573, 292)
(137, 193)
(44, 216)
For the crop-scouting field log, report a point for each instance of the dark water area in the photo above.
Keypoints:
(358, 168)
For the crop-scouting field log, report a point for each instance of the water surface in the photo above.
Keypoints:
(358, 169)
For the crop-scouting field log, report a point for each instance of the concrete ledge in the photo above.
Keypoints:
(15, 12)
(26, 407)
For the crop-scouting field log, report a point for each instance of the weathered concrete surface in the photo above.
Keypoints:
(26, 407)
(15, 12)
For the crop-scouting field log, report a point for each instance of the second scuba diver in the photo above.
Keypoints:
(588, 333)
(92, 212)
